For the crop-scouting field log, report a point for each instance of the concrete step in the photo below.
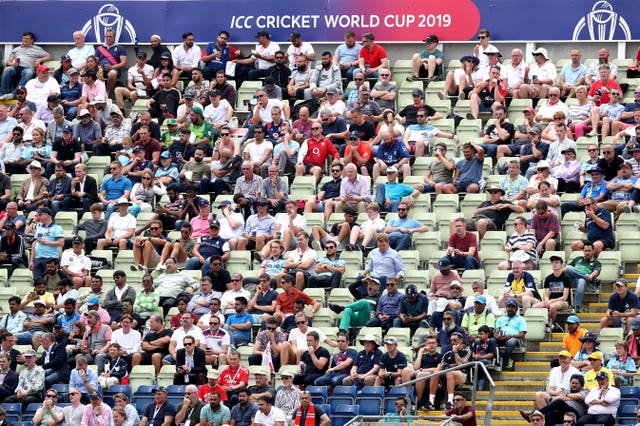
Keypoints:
(515, 395)
(551, 346)
(527, 366)
(505, 405)
(541, 355)
(525, 376)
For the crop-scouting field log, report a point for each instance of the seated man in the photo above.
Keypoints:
(324, 200)
(602, 402)
(328, 269)
(468, 171)
(358, 313)
(366, 365)
(155, 344)
(413, 309)
(557, 292)
(364, 235)
(355, 192)
(391, 364)
(384, 263)
(493, 214)
(339, 233)
(390, 193)
(417, 137)
(426, 362)
(401, 230)
(314, 152)
(314, 361)
(30, 382)
(388, 307)
(509, 332)
(239, 323)
(391, 153)
(598, 226)
(582, 270)
(428, 63)
(563, 403)
(439, 172)
(190, 363)
(340, 365)
(459, 354)
(462, 248)
(620, 189)
(273, 342)
(622, 307)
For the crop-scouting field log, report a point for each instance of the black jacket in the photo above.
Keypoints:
(199, 361)
(57, 361)
(90, 188)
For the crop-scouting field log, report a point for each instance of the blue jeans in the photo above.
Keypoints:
(39, 268)
(580, 280)
(467, 262)
(380, 199)
(10, 73)
(24, 338)
(331, 379)
(348, 73)
(193, 263)
(61, 205)
(110, 209)
(509, 347)
(490, 149)
(399, 241)
(238, 337)
(51, 378)
(70, 112)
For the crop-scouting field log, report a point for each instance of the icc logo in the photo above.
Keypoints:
(109, 17)
(601, 23)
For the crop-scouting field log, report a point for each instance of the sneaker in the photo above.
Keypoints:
(316, 245)
(557, 328)
(142, 268)
(461, 96)
(509, 365)
(7, 97)
(429, 406)
(627, 209)
(336, 308)
(134, 267)
(480, 384)
(636, 209)
(258, 257)
(349, 247)
(470, 116)
(592, 133)
(160, 267)
(412, 78)
(442, 95)
(525, 415)
(448, 405)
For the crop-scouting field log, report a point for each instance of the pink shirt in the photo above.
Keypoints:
(105, 318)
(89, 418)
(200, 226)
(98, 89)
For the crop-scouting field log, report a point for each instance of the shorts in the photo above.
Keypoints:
(341, 245)
(146, 357)
(472, 224)
(308, 167)
(608, 244)
(412, 147)
(462, 186)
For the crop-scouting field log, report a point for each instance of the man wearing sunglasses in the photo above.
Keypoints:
(607, 112)
(190, 364)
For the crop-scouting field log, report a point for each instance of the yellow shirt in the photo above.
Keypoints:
(590, 381)
(47, 297)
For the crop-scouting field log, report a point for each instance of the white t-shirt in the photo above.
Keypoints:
(226, 231)
(296, 256)
(79, 56)
(544, 72)
(179, 334)
(562, 381)
(133, 74)
(301, 338)
(217, 114)
(268, 50)
(275, 415)
(204, 319)
(265, 113)
(293, 52)
(38, 92)
(130, 342)
(377, 224)
(217, 342)
(338, 107)
(121, 225)
(74, 262)
(182, 111)
(229, 298)
(256, 151)
(514, 75)
(283, 220)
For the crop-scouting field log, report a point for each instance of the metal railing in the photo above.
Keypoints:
(475, 365)
(362, 419)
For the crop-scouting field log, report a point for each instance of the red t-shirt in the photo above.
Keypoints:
(375, 57)
(465, 410)
(285, 301)
(229, 377)
(463, 244)
(604, 99)
(364, 150)
(318, 151)
(207, 389)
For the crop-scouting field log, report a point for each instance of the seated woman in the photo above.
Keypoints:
(461, 81)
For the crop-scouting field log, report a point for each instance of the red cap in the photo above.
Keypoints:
(529, 109)
(42, 68)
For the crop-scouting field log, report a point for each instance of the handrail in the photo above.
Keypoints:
(361, 418)
(473, 364)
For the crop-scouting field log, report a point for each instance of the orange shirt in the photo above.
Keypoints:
(571, 342)
(364, 150)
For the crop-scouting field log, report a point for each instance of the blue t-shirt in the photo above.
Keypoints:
(241, 319)
(571, 76)
(470, 171)
(273, 266)
(49, 233)
(217, 64)
(594, 232)
(397, 191)
(392, 154)
(114, 189)
(403, 223)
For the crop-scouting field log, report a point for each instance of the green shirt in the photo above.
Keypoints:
(223, 414)
(205, 130)
(147, 304)
(586, 266)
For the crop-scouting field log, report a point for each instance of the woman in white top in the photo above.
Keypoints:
(142, 194)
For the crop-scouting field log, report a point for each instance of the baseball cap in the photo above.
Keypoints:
(93, 300)
(77, 239)
(165, 154)
(45, 210)
(564, 151)
(203, 203)
(21, 89)
(541, 51)
(556, 259)
(417, 92)
(529, 109)
(39, 302)
(512, 302)
(332, 91)
(98, 100)
(627, 165)
(213, 374)
(9, 225)
(90, 73)
(431, 39)
(455, 283)
(189, 95)
(214, 92)
(53, 98)
(224, 203)
(565, 353)
(392, 170)
(294, 35)
(595, 355)
(137, 149)
(573, 319)
(355, 135)
(73, 70)
(602, 375)
(411, 290)
(480, 299)
(29, 352)
(67, 128)
(141, 54)
(159, 389)
(391, 340)
(42, 68)
(214, 224)
(635, 324)
(95, 395)
(165, 55)
(65, 57)
(171, 122)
